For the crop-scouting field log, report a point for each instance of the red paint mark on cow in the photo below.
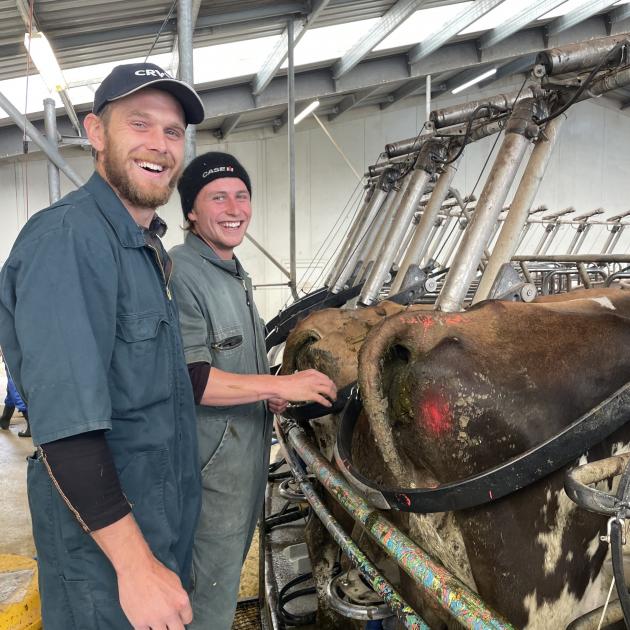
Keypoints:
(435, 414)
(454, 319)
(404, 499)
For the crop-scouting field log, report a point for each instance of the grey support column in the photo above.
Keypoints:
(291, 139)
(516, 218)
(431, 154)
(185, 51)
(420, 240)
(50, 124)
(520, 131)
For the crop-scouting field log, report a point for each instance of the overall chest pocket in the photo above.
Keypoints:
(227, 348)
(140, 372)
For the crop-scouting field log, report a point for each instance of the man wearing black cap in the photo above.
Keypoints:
(91, 336)
(224, 345)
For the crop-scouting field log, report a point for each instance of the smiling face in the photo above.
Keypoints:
(140, 145)
(221, 214)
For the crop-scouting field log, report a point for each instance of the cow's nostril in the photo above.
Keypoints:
(401, 353)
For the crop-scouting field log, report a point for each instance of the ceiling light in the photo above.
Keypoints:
(481, 77)
(309, 109)
(45, 61)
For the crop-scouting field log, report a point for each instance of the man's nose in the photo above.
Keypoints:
(156, 140)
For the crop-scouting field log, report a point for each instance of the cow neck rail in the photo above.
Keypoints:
(407, 616)
(446, 590)
(514, 474)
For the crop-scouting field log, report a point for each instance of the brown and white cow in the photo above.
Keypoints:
(450, 395)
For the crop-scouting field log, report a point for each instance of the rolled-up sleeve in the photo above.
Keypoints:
(58, 318)
(192, 322)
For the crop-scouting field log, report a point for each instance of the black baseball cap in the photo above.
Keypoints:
(132, 77)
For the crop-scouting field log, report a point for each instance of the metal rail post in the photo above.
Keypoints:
(420, 240)
(520, 131)
(50, 124)
(383, 188)
(430, 154)
(375, 239)
(291, 138)
(527, 190)
(50, 150)
(186, 74)
(351, 239)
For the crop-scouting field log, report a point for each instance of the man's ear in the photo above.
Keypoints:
(192, 216)
(95, 130)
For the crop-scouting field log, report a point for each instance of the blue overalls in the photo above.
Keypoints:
(91, 335)
(13, 398)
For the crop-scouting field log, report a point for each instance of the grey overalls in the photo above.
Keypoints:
(221, 326)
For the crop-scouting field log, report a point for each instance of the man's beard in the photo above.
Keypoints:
(119, 179)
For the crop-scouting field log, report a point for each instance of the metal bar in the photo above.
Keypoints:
(574, 258)
(50, 124)
(256, 244)
(185, 49)
(291, 139)
(427, 97)
(351, 238)
(439, 230)
(229, 125)
(552, 238)
(517, 22)
(461, 21)
(379, 196)
(520, 206)
(50, 150)
(489, 206)
(615, 239)
(72, 115)
(339, 149)
(374, 240)
(462, 224)
(581, 13)
(409, 618)
(390, 21)
(404, 214)
(575, 57)
(418, 245)
(440, 586)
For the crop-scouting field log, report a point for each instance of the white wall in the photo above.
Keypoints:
(590, 168)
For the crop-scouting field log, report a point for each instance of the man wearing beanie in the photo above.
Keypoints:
(91, 337)
(224, 345)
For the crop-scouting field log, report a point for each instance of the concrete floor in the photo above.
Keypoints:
(15, 519)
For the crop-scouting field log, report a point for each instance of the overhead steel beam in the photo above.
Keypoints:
(228, 126)
(87, 38)
(580, 14)
(459, 23)
(279, 53)
(516, 66)
(388, 23)
(415, 86)
(25, 13)
(527, 15)
(466, 75)
(619, 14)
(352, 100)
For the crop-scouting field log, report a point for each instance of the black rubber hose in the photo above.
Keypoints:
(293, 619)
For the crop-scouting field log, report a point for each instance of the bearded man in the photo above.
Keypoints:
(91, 337)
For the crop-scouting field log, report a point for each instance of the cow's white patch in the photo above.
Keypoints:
(552, 540)
(605, 302)
(559, 612)
(593, 546)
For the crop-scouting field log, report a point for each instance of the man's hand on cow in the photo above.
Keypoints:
(152, 597)
(277, 405)
(308, 385)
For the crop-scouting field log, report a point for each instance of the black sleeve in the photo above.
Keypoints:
(82, 469)
(199, 374)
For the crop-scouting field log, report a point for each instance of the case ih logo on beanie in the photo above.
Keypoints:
(217, 169)
(205, 169)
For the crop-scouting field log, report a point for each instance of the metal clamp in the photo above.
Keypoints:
(622, 527)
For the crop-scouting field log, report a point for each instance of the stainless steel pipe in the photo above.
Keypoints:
(50, 125)
(520, 132)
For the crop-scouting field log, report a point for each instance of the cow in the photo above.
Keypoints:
(448, 395)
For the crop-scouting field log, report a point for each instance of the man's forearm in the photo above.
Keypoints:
(227, 388)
